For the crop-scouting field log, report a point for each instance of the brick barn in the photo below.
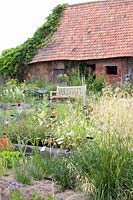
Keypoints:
(96, 35)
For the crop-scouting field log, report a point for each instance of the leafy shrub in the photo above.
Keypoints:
(63, 78)
(35, 82)
(74, 79)
(8, 158)
(63, 173)
(95, 85)
(12, 82)
(50, 87)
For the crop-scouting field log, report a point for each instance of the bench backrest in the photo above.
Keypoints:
(71, 91)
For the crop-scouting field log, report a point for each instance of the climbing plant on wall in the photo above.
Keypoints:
(12, 61)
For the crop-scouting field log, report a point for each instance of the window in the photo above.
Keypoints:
(112, 70)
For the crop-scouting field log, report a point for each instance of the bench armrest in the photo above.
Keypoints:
(52, 93)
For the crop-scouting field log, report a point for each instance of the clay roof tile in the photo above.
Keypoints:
(94, 30)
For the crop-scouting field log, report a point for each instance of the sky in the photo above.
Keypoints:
(19, 19)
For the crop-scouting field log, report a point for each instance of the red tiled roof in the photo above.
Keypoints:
(93, 30)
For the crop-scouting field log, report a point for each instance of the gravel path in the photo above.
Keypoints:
(43, 187)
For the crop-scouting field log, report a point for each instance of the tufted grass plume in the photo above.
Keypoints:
(113, 113)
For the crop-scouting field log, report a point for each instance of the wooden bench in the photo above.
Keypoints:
(67, 92)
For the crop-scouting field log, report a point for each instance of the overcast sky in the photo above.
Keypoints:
(19, 19)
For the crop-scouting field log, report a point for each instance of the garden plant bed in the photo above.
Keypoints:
(43, 187)
(87, 150)
(14, 106)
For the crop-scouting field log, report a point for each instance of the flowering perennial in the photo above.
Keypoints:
(4, 143)
(15, 185)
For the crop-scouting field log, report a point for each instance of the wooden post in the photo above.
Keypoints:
(84, 96)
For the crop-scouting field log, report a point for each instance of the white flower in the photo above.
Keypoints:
(43, 149)
(70, 133)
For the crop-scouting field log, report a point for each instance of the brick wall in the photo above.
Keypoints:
(122, 68)
(45, 69)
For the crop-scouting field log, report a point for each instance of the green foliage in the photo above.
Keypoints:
(37, 126)
(11, 93)
(50, 87)
(35, 167)
(63, 78)
(2, 168)
(12, 61)
(125, 90)
(102, 166)
(35, 82)
(22, 175)
(9, 158)
(17, 194)
(22, 127)
(12, 82)
(105, 167)
(95, 85)
(63, 173)
(74, 79)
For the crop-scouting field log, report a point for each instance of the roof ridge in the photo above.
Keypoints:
(97, 1)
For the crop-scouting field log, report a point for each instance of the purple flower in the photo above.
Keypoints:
(26, 193)
(15, 184)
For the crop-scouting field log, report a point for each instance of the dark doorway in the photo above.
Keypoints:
(57, 72)
(90, 70)
(87, 70)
